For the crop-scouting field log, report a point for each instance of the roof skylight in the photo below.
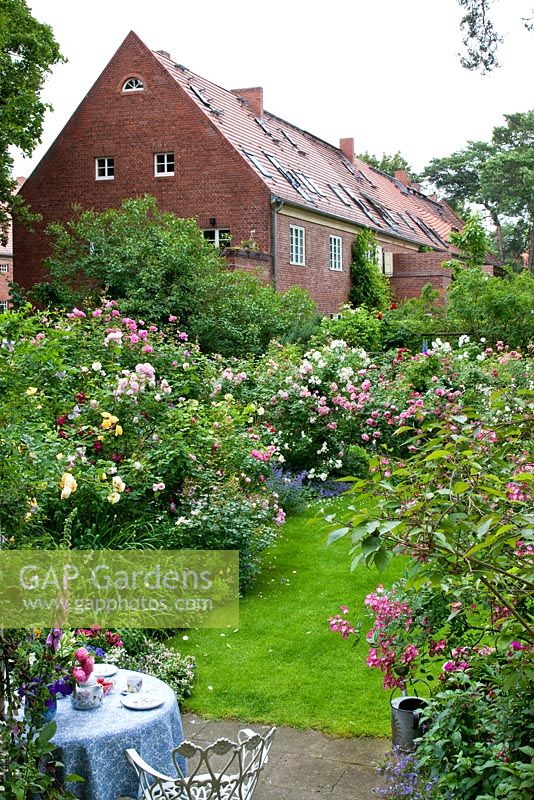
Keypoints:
(291, 177)
(198, 93)
(338, 194)
(309, 183)
(263, 126)
(257, 163)
(289, 139)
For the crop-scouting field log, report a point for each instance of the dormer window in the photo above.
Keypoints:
(133, 85)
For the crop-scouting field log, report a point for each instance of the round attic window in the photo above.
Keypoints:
(133, 85)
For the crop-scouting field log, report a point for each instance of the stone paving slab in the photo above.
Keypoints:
(304, 764)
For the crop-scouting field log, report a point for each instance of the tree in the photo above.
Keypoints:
(151, 260)
(28, 51)
(481, 40)
(388, 164)
(508, 177)
(499, 175)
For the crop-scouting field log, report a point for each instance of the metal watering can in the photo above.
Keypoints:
(405, 717)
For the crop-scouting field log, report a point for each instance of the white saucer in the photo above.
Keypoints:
(104, 670)
(142, 701)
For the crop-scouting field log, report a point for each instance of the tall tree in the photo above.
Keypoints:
(499, 175)
(386, 163)
(480, 38)
(28, 50)
(458, 176)
(508, 177)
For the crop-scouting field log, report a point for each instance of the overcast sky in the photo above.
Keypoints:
(383, 71)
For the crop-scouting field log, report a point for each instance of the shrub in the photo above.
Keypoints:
(238, 316)
(369, 287)
(503, 310)
(111, 437)
(150, 260)
(358, 327)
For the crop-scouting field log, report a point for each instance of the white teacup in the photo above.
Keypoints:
(133, 683)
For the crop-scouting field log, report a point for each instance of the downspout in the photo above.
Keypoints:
(276, 206)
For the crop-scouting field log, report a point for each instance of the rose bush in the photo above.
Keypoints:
(110, 438)
(315, 408)
(460, 509)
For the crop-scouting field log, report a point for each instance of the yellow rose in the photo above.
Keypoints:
(103, 477)
(31, 390)
(114, 497)
(118, 430)
(118, 484)
(68, 485)
(106, 424)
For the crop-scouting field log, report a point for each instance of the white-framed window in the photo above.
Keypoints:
(218, 237)
(133, 85)
(388, 263)
(297, 245)
(3, 306)
(105, 168)
(163, 164)
(4, 269)
(379, 257)
(336, 253)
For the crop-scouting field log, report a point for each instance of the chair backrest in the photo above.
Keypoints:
(234, 779)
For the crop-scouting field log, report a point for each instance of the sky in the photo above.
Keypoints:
(385, 72)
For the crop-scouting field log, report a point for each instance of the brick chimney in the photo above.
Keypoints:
(254, 98)
(416, 186)
(403, 177)
(347, 148)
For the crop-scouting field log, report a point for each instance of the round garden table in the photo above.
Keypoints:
(92, 743)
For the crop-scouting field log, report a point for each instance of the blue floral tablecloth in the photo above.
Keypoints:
(92, 743)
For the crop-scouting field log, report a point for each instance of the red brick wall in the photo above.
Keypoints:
(211, 179)
(327, 287)
(412, 270)
(6, 257)
(4, 278)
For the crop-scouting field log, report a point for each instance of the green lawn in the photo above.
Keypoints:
(282, 665)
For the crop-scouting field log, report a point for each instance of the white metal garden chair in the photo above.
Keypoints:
(242, 762)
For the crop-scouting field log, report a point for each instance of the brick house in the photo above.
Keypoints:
(6, 262)
(150, 125)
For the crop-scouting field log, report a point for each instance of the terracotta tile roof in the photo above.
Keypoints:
(306, 171)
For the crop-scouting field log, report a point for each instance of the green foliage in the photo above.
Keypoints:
(368, 286)
(409, 323)
(461, 508)
(237, 315)
(385, 163)
(472, 242)
(356, 461)
(358, 327)
(157, 265)
(151, 260)
(479, 731)
(28, 50)
(498, 175)
(481, 40)
(493, 308)
(111, 440)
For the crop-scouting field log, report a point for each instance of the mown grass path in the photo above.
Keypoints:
(283, 665)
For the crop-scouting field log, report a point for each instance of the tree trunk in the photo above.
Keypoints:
(498, 234)
(531, 247)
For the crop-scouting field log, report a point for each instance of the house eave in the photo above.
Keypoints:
(346, 221)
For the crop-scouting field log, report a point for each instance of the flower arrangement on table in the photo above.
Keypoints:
(41, 671)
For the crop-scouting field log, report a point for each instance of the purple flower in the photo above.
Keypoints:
(53, 638)
(60, 687)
